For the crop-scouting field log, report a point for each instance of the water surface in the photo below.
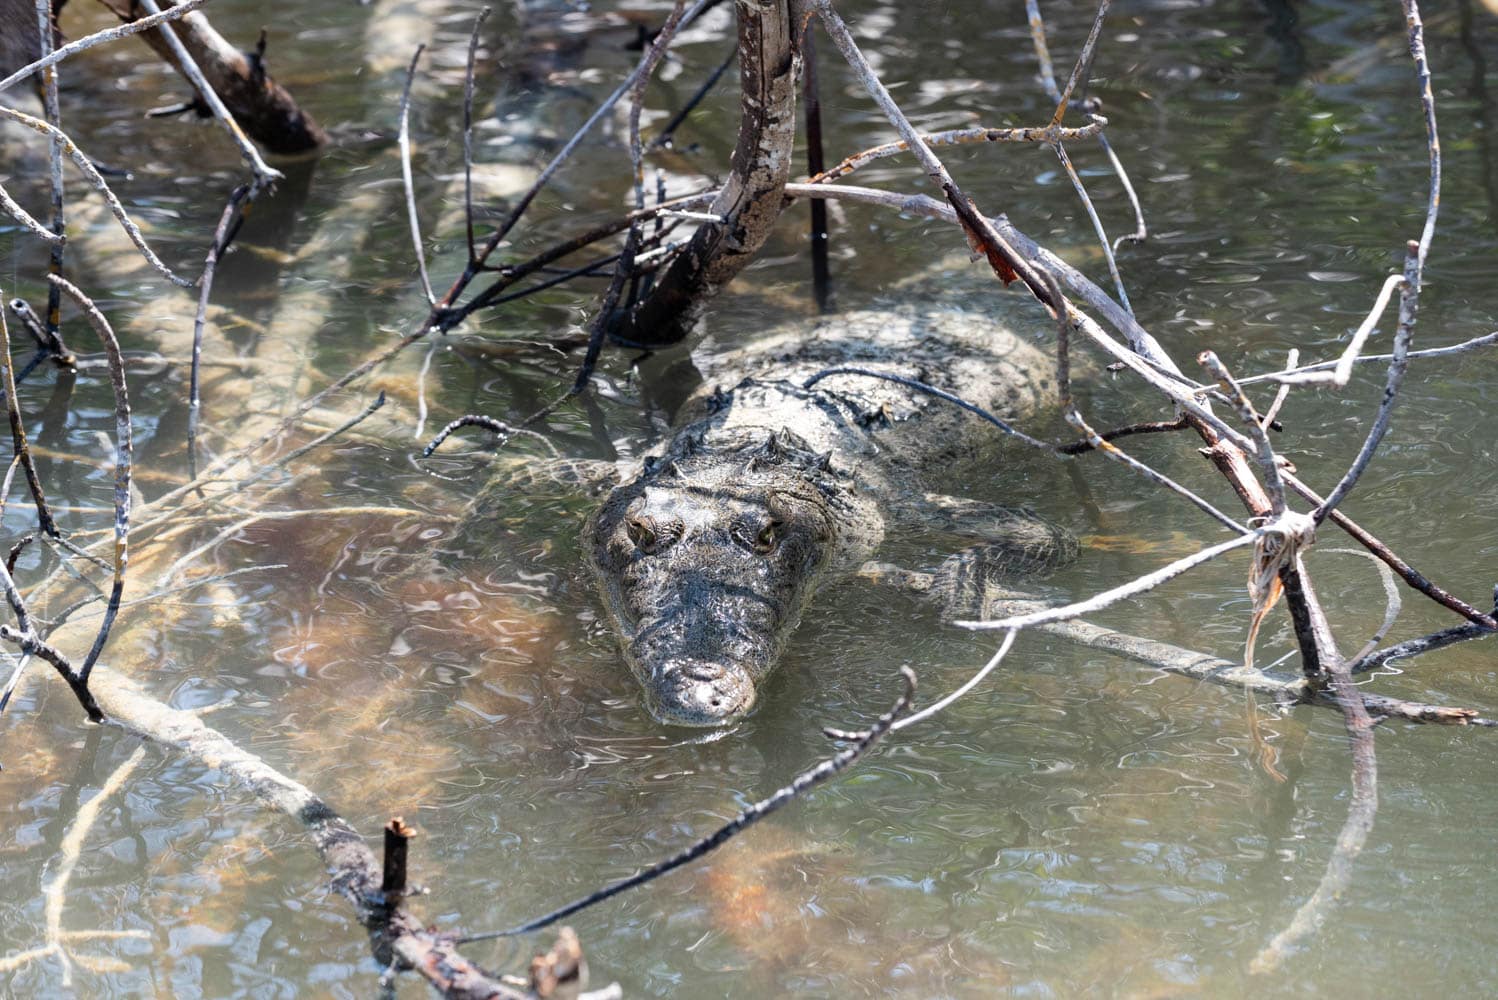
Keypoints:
(1078, 825)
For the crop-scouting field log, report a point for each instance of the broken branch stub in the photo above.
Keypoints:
(261, 106)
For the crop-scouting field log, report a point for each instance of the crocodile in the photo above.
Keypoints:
(773, 484)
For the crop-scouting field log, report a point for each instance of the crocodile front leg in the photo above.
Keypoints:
(1016, 546)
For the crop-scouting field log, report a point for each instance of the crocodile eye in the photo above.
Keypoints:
(642, 533)
(767, 537)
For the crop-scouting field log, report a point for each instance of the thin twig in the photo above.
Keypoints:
(504, 430)
(1283, 393)
(264, 173)
(1083, 67)
(52, 108)
(316, 442)
(86, 165)
(956, 137)
(18, 433)
(122, 454)
(34, 227)
(1141, 229)
(413, 218)
(1416, 30)
(667, 134)
(1342, 367)
(1148, 427)
(49, 341)
(968, 685)
(1048, 81)
(799, 785)
(1486, 340)
(468, 80)
(1042, 50)
(1102, 600)
(216, 249)
(1409, 302)
(1097, 222)
(180, 9)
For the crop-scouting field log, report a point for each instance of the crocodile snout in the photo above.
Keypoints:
(692, 692)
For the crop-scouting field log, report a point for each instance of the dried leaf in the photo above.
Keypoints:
(1283, 539)
(976, 242)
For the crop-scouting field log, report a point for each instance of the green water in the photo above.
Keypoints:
(1077, 826)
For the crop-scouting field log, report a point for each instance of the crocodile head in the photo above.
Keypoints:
(705, 562)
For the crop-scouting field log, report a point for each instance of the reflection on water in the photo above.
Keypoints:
(1078, 825)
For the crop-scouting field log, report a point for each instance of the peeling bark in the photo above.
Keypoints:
(751, 199)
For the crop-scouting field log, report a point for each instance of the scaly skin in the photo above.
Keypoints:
(710, 549)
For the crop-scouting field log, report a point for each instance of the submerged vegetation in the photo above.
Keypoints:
(274, 530)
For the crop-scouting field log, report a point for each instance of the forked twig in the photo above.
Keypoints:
(122, 456)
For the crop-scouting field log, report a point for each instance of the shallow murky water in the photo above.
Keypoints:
(1077, 825)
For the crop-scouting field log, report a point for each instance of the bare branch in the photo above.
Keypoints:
(1081, 71)
(1049, 134)
(178, 10)
(1288, 374)
(227, 223)
(86, 166)
(264, 173)
(468, 77)
(1100, 601)
(1409, 299)
(20, 214)
(18, 434)
(404, 141)
(122, 455)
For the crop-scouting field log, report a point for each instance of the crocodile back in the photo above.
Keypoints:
(995, 358)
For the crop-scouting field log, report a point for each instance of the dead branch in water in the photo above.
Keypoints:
(122, 465)
(60, 943)
(233, 86)
(750, 199)
(18, 432)
(87, 168)
(397, 937)
(1241, 449)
